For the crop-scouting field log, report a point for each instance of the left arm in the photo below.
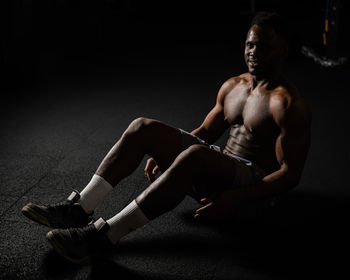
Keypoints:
(291, 149)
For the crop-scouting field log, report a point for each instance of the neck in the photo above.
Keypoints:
(267, 80)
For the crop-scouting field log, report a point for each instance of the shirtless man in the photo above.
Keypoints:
(264, 155)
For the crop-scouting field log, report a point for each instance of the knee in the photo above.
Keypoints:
(194, 155)
(139, 125)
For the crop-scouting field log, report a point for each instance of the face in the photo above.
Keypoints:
(264, 51)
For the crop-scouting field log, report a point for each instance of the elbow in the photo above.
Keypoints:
(292, 178)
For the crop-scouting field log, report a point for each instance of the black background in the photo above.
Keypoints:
(74, 74)
(44, 38)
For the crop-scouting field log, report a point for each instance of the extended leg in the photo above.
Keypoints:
(198, 165)
(143, 136)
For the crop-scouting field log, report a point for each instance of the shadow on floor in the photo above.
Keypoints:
(304, 236)
(57, 267)
(104, 269)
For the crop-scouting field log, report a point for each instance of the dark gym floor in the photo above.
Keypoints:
(54, 134)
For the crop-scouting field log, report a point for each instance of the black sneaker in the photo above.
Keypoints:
(62, 215)
(80, 245)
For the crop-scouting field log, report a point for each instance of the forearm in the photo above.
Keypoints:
(271, 185)
(201, 133)
(223, 203)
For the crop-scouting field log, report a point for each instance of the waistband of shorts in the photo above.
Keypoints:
(249, 163)
(239, 158)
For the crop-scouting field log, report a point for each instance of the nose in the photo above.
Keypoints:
(253, 51)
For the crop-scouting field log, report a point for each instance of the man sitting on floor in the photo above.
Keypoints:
(264, 155)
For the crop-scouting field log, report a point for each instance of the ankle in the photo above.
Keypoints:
(93, 194)
(127, 220)
(74, 198)
(103, 228)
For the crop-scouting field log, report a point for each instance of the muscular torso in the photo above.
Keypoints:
(253, 130)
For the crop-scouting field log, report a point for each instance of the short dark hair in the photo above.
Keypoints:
(274, 20)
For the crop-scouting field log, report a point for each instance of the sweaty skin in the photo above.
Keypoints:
(269, 124)
(268, 120)
(260, 107)
(251, 113)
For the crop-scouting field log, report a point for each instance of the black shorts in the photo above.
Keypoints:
(247, 172)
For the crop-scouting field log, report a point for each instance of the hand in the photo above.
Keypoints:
(151, 169)
(216, 207)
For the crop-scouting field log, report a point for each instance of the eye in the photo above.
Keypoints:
(264, 46)
(249, 45)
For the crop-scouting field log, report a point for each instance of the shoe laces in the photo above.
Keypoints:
(83, 234)
(65, 208)
(68, 214)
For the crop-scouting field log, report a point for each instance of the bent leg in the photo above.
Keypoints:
(198, 165)
(143, 136)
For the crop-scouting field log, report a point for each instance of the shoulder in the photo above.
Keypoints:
(229, 85)
(234, 81)
(288, 107)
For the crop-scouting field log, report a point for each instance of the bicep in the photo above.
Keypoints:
(292, 145)
(215, 123)
(291, 150)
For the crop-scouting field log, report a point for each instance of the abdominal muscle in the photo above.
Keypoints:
(259, 150)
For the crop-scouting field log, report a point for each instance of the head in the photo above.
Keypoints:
(266, 46)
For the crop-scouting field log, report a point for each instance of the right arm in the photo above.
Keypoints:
(213, 126)
(215, 123)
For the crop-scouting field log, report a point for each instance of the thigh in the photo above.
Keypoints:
(163, 142)
(215, 172)
(166, 142)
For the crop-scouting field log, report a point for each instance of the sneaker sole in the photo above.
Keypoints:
(34, 215)
(59, 248)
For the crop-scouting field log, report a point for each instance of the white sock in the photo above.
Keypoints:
(93, 194)
(127, 220)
